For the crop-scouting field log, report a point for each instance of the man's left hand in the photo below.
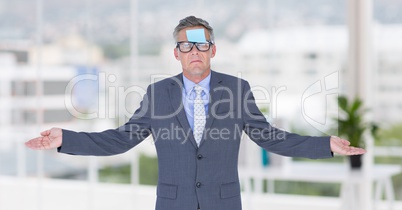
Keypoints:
(341, 146)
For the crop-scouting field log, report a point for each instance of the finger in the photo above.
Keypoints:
(345, 142)
(28, 144)
(33, 143)
(361, 151)
(357, 151)
(45, 133)
(39, 143)
(346, 150)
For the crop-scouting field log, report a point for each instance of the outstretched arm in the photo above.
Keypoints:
(49, 139)
(290, 144)
(108, 142)
(341, 146)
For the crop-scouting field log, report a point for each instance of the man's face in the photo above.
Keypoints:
(194, 63)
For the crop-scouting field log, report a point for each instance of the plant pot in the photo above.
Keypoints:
(355, 161)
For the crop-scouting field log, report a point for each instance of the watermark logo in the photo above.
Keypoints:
(318, 102)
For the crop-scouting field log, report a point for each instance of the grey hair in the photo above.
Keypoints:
(192, 21)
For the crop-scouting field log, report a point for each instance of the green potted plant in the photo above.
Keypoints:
(351, 125)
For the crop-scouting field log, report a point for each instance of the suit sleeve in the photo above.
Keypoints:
(279, 141)
(113, 141)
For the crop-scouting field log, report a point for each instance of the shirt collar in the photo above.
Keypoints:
(189, 85)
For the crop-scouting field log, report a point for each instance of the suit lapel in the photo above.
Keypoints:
(176, 101)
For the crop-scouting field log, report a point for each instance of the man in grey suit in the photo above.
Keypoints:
(196, 119)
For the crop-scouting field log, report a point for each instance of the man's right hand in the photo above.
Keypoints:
(50, 139)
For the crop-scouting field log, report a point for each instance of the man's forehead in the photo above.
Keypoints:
(194, 34)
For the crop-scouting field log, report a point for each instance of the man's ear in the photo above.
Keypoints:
(176, 54)
(213, 51)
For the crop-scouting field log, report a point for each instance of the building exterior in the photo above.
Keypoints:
(37, 96)
(298, 57)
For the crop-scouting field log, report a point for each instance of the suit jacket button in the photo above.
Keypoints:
(199, 156)
(198, 184)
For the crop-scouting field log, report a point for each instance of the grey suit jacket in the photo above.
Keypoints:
(189, 175)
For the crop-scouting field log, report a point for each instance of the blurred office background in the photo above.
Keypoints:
(84, 65)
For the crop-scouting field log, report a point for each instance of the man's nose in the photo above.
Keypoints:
(194, 50)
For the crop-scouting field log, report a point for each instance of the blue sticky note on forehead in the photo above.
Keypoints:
(196, 35)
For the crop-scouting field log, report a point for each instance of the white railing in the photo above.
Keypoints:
(382, 151)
